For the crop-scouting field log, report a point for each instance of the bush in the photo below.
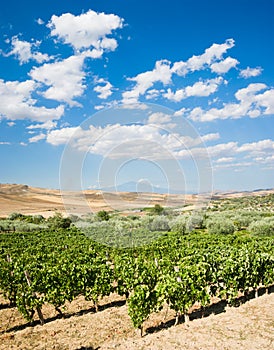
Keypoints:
(179, 224)
(159, 224)
(263, 227)
(220, 227)
(103, 215)
(157, 209)
(15, 216)
(195, 221)
(58, 221)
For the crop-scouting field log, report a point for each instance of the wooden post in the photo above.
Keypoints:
(41, 317)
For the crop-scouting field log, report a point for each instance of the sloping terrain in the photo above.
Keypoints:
(32, 200)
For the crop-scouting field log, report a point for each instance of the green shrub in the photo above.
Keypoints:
(157, 209)
(103, 215)
(58, 221)
(179, 224)
(263, 227)
(15, 216)
(159, 223)
(220, 226)
(195, 221)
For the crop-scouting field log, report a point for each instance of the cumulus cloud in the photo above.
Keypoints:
(210, 137)
(62, 136)
(46, 125)
(65, 79)
(105, 90)
(251, 103)
(118, 141)
(16, 102)
(251, 72)
(200, 88)
(164, 70)
(257, 147)
(159, 118)
(153, 93)
(144, 81)
(180, 112)
(224, 66)
(214, 53)
(37, 138)
(86, 31)
(25, 51)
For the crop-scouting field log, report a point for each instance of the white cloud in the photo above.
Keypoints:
(65, 79)
(180, 112)
(99, 107)
(104, 91)
(46, 125)
(266, 100)
(251, 103)
(213, 53)
(224, 66)
(210, 137)
(159, 118)
(200, 88)
(224, 160)
(222, 149)
(151, 142)
(257, 147)
(62, 136)
(251, 72)
(119, 141)
(260, 152)
(24, 51)
(88, 30)
(16, 102)
(40, 21)
(152, 94)
(5, 143)
(144, 81)
(37, 138)
(163, 72)
(237, 166)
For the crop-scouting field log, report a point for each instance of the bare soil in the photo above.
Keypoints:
(249, 326)
(32, 200)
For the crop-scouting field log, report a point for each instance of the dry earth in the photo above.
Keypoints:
(31, 200)
(249, 326)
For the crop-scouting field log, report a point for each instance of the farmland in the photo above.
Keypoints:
(158, 269)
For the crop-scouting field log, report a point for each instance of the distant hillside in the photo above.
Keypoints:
(32, 200)
(145, 187)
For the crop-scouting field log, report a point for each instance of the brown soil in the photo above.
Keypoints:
(31, 200)
(249, 326)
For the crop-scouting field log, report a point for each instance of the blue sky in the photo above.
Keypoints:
(176, 94)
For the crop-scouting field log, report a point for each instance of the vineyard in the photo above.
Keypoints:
(154, 261)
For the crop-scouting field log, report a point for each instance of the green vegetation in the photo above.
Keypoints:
(174, 259)
(103, 215)
(17, 222)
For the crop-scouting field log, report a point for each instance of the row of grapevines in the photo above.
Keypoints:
(176, 270)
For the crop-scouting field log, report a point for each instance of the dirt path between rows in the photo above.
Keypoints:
(249, 326)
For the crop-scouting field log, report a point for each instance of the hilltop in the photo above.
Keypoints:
(34, 200)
